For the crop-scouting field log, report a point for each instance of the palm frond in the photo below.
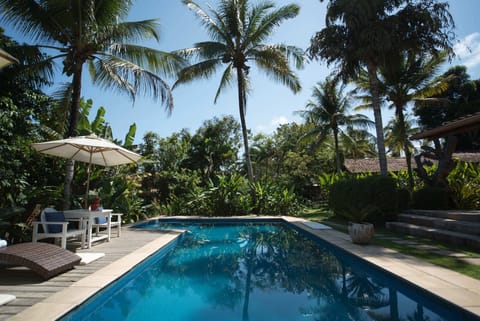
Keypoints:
(161, 62)
(211, 50)
(274, 64)
(106, 12)
(130, 31)
(34, 19)
(272, 20)
(204, 69)
(226, 81)
(124, 76)
(215, 28)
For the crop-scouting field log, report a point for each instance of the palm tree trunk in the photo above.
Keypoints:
(71, 132)
(75, 103)
(337, 151)
(393, 303)
(377, 113)
(406, 147)
(248, 281)
(241, 106)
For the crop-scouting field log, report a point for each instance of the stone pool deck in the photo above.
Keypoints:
(48, 300)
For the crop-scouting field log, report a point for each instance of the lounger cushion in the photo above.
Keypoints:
(101, 220)
(56, 216)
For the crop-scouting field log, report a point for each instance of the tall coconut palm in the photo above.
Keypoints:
(407, 77)
(238, 30)
(394, 135)
(92, 33)
(360, 33)
(328, 112)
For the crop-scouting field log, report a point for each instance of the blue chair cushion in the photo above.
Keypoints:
(56, 216)
(100, 220)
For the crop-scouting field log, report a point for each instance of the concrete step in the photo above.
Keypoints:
(467, 227)
(436, 234)
(470, 216)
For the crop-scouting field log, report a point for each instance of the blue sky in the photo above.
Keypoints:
(270, 103)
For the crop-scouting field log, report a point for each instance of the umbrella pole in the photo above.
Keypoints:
(88, 186)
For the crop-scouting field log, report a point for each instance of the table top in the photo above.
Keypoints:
(86, 213)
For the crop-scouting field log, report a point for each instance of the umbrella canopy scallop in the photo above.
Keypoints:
(88, 149)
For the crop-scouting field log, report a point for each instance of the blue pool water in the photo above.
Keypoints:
(259, 272)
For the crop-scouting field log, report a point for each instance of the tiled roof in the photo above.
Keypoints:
(457, 126)
(395, 164)
(370, 165)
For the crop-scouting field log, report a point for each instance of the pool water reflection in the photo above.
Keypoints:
(258, 272)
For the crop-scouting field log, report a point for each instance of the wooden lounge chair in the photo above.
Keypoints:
(55, 226)
(45, 259)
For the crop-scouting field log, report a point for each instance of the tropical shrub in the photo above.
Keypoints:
(431, 198)
(464, 186)
(372, 198)
(325, 181)
(15, 223)
(273, 199)
(404, 199)
(401, 178)
(227, 196)
(121, 191)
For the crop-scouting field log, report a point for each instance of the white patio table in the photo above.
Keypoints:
(89, 217)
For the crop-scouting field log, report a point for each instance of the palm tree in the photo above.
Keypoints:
(328, 112)
(358, 143)
(238, 30)
(394, 136)
(93, 33)
(360, 33)
(407, 77)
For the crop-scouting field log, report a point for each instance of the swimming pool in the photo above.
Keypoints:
(258, 271)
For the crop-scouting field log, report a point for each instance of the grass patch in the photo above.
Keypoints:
(326, 216)
(318, 214)
(448, 262)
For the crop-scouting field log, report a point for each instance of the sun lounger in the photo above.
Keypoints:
(45, 259)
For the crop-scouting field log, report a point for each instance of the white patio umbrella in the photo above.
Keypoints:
(6, 59)
(88, 149)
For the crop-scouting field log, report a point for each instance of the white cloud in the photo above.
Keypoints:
(280, 121)
(468, 50)
(274, 123)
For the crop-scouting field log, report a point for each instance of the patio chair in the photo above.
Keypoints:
(102, 222)
(55, 226)
(45, 259)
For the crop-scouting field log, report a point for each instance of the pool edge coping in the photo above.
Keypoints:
(451, 286)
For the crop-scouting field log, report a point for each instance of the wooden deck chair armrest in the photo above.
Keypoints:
(63, 223)
(35, 226)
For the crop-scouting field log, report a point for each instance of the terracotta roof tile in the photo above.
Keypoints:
(395, 164)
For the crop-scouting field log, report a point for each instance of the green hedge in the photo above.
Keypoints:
(372, 198)
(431, 198)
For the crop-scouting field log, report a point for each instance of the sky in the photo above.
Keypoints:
(270, 104)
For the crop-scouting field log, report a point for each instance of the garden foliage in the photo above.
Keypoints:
(372, 198)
